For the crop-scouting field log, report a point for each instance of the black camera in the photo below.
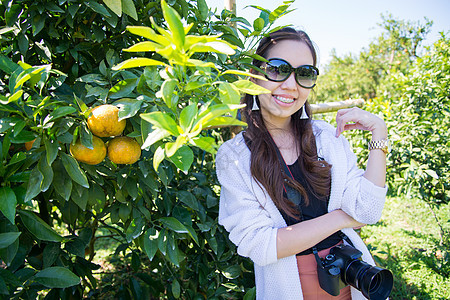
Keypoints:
(343, 267)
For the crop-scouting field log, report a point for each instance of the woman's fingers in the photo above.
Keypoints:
(356, 118)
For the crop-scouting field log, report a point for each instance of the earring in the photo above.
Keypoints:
(255, 105)
(304, 115)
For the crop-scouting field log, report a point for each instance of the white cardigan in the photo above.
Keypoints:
(252, 219)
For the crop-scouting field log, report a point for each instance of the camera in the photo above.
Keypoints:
(343, 267)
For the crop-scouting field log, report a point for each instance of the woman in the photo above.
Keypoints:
(256, 205)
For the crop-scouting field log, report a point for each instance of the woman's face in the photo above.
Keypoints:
(286, 97)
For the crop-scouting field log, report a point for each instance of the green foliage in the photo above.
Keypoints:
(362, 75)
(176, 85)
(406, 241)
(419, 129)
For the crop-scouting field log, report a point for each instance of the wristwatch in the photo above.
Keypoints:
(384, 145)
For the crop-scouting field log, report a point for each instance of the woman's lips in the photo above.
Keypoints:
(283, 100)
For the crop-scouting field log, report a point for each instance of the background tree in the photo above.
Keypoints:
(362, 75)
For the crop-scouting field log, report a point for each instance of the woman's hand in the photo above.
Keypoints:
(356, 118)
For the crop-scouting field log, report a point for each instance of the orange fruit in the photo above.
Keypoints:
(124, 150)
(89, 156)
(104, 121)
(29, 144)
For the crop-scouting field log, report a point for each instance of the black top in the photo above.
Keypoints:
(315, 208)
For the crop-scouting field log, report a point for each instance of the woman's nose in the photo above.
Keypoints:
(290, 82)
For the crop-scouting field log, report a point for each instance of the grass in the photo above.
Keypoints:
(407, 242)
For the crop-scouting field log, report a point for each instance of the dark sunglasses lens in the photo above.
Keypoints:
(306, 76)
(278, 70)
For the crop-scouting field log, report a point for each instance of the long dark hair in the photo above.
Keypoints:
(265, 166)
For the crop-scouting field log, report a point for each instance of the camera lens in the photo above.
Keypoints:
(375, 283)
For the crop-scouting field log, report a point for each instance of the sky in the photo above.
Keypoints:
(348, 26)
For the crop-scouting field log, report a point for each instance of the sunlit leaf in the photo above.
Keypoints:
(162, 121)
(137, 62)
(174, 21)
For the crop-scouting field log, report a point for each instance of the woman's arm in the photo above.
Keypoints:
(356, 118)
(304, 235)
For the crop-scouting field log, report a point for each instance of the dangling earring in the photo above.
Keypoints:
(304, 115)
(255, 105)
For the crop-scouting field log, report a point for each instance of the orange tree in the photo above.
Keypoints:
(177, 81)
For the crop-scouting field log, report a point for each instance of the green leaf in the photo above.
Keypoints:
(162, 121)
(37, 23)
(242, 73)
(188, 199)
(38, 227)
(432, 173)
(80, 197)
(249, 87)
(151, 243)
(34, 184)
(156, 135)
(203, 9)
(212, 112)
(187, 117)
(176, 289)
(193, 85)
(57, 277)
(8, 238)
(8, 202)
(148, 33)
(123, 88)
(47, 173)
(18, 157)
(51, 149)
(28, 74)
(224, 122)
(158, 157)
(146, 46)
(183, 158)
(137, 62)
(175, 25)
(62, 183)
(97, 7)
(278, 12)
(58, 113)
(15, 97)
(232, 272)
(173, 224)
(172, 250)
(205, 143)
(172, 147)
(8, 122)
(12, 13)
(228, 93)
(115, 6)
(74, 170)
(128, 107)
(258, 24)
(251, 294)
(6, 64)
(129, 9)
(216, 46)
(167, 91)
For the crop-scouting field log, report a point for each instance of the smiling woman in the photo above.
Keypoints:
(289, 185)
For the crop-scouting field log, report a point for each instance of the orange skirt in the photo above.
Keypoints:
(307, 269)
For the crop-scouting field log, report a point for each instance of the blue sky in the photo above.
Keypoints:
(349, 25)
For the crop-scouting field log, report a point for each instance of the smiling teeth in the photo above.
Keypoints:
(284, 100)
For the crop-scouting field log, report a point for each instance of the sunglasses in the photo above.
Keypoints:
(278, 70)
